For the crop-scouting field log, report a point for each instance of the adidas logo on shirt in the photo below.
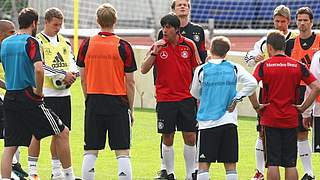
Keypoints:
(318, 147)
(58, 62)
(202, 156)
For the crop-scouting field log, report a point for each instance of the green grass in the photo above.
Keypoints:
(145, 148)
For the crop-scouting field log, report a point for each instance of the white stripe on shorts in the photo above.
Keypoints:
(50, 119)
(198, 147)
(130, 125)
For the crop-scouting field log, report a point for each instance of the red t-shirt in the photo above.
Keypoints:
(174, 65)
(281, 77)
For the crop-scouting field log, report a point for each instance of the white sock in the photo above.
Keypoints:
(124, 168)
(6, 179)
(304, 150)
(231, 175)
(68, 173)
(88, 163)
(168, 158)
(259, 155)
(32, 164)
(56, 166)
(203, 176)
(189, 153)
(16, 157)
(163, 165)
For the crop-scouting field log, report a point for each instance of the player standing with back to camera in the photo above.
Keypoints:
(281, 77)
(302, 48)
(107, 79)
(281, 21)
(215, 85)
(59, 59)
(7, 29)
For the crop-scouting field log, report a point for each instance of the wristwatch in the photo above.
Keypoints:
(153, 54)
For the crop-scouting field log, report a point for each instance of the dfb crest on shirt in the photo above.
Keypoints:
(196, 37)
(164, 55)
(184, 54)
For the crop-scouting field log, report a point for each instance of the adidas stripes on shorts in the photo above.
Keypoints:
(27, 115)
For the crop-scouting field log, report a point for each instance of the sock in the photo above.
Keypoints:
(56, 166)
(259, 155)
(168, 158)
(32, 164)
(203, 175)
(68, 173)
(6, 179)
(16, 157)
(304, 150)
(189, 153)
(124, 168)
(231, 175)
(163, 166)
(88, 163)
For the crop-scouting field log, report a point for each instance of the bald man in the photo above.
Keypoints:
(7, 28)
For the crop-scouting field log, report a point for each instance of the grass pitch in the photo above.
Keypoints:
(145, 156)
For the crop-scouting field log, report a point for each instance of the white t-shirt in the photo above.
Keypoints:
(243, 77)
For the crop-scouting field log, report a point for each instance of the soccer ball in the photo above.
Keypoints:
(58, 82)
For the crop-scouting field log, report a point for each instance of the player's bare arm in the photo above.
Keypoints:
(315, 91)
(2, 84)
(83, 82)
(39, 76)
(255, 104)
(69, 78)
(130, 91)
(151, 56)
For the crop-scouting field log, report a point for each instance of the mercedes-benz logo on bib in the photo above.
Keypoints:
(184, 54)
(196, 37)
(164, 55)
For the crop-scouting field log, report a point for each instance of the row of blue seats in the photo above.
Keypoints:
(246, 11)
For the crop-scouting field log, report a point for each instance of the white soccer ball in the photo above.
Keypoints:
(58, 82)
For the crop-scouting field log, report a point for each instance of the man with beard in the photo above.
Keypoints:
(24, 74)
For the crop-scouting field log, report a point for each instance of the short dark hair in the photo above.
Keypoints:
(26, 17)
(220, 45)
(173, 4)
(170, 19)
(277, 40)
(305, 10)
